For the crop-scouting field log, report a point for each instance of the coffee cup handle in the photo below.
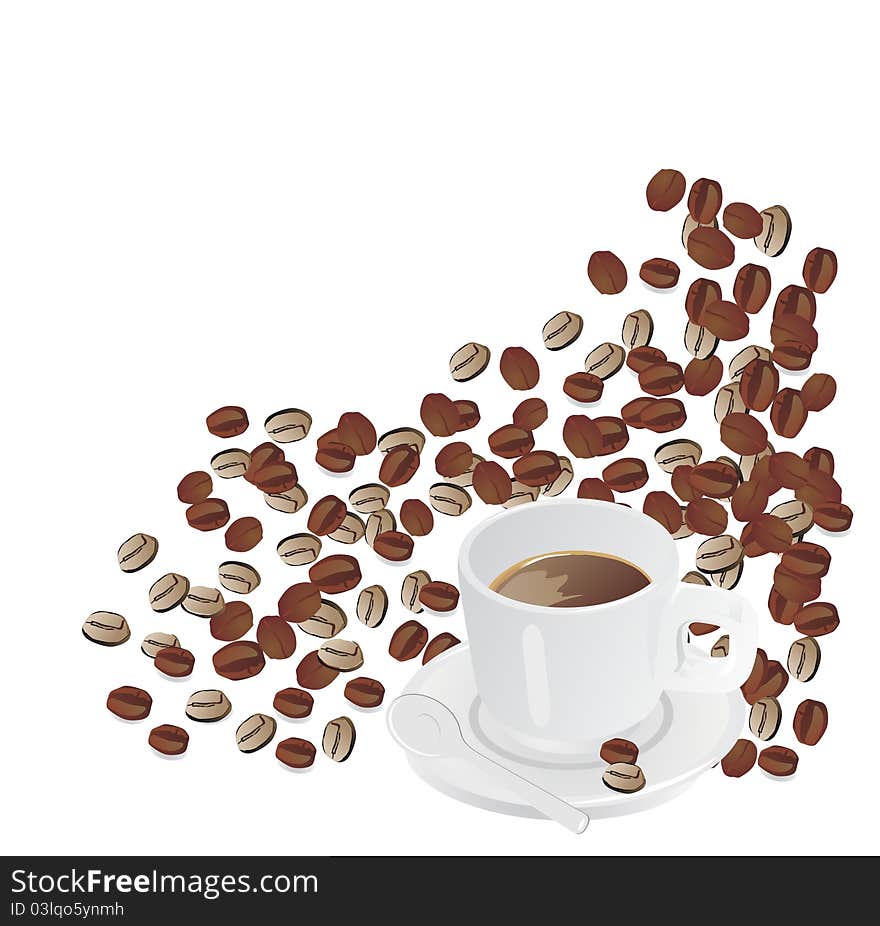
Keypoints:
(697, 671)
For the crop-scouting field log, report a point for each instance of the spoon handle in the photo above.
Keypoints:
(548, 804)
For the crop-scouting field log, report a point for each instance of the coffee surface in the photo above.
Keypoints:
(570, 579)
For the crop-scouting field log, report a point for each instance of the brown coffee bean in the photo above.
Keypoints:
(690, 223)
(788, 414)
(562, 329)
(296, 752)
(313, 674)
(816, 619)
(228, 421)
(804, 657)
(820, 269)
(772, 683)
(372, 605)
(276, 637)
(718, 554)
(764, 718)
(741, 361)
(129, 703)
(395, 546)
(743, 433)
(665, 190)
(710, 248)
(715, 479)
(613, 434)
(605, 360)
(701, 292)
(681, 483)
(439, 414)
(793, 330)
(618, 750)
(776, 231)
(398, 466)
(632, 411)
(519, 368)
(327, 515)
(756, 676)
(640, 358)
(816, 488)
(749, 500)
(759, 384)
(726, 320)
(795, 301)
(440, 643)
(195, 487)
(660, 273)
(168, 591)
(795, 587)
(581, 436)
(751, 288)
(818, 458)
(607, 272)
(335, 457)
(336, 574)
(510, 441)
(538, 468)
(530, 414)
(293, 702)
(408, 641)
(766, 534)
(705, 516)
(702, 376)
(742, 220)
(466, 479)
(741, 759)
(834, 517)
(243, 535)
(468, 414)
(355, 430)
(583, 387)
(365, 692)
(233, 622)
(174, 661)
(369, 498)
(807, 559)
(275, 477)
(453, 459)
(255, 732)
(208, 515)
(469, 361)
(300, 601)
(439, 596)
(623, 777)
(704, 200)
(792, 355)
(342, 655)
(818, 392)
(265, 454)
(626, 474)
(230, 464)
(699, 341)
(779, 761)
(662, 379)
(239, 660)
(416, 517)
(595, 489)
(168, 739)
(638, 327)
(492, 483)
(664, 509)
(664, 415)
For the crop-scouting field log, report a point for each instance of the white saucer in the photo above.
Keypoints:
(685, 735)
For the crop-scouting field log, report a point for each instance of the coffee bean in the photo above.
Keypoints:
(701, 292)
(195, 487)
(756, 676)
(454, 459)
(818, 392)
(664, 415)
(299, 549)
(583, 387)
(743, 433)
(772, 683)
(410, 588)
(313, 674)
(788, 413)
(293, 702)
(804, 657)
(798, 515)
(203, 601)
(817, 619)
(607, 272)
(255, 732)
(726, 320)
(758, 385)
(287, 502)
(342, 655)
(562, 329)
(408, 641)
(335, 457)
(664, 509)
(440, 643)
(793, 587)
(372, 605)
(740, 759)
(810, 722)
(469, 361)
(626, 474)
(618, 750)
(301, 600)
(369, 498)
(350, 531)
(662, 379)
(624, 777)
(243, 535)
(796, 336)
(174, 661)
(228, 421)
(660, 273)
(275, 477)
(681, 483)
(439, 596)
(640, 358)
(168, 592)
(817, 489)
(561, 482)
(326, 622)
(137, 552)
(605, 360)
(613, 434)
(705, 516)
(581, 436)
(326, 515)
(288, 425)
(751, 288)
(741, 361)
(779, 761)
(336, 574)
(820, 269)
(704, 200)
(699, 341)
(402, 437)
(399, 465)
(265, 455)
(276, 637)
(229, 464)
(595, 489)
(742, 220)
(632, 411)
(665, 190)
(449, 499)
(355, 430)
(727, 579)
(702, 376)
(296, 752)
(721, 647)
(764, 718)
(792, 355)
(129, 703)
(379, 522)
(715, 479)
(834, 517)
(690, 224)
(168, 739)
(416, 517)
(365, 692)
(820, 459)
(519, 368)
(239, 660)
(208, 515)
(775, 232)
(710, 248)
(538, 468)
(106, 628)
(233, 622)
(766, 534)
(208, 706)
(394, 546)
(795, 301)
(338, 740)
(530, 414)
(240, 578)
(807, 559)
(719, 553)
(728, 400)
(638, 327)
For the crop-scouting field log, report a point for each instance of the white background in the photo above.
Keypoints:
(315, 204)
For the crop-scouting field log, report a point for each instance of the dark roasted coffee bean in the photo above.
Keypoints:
(759, 384)
(631, 413)
(779, 761)
(416, 517)
(804, 657)
(788, 414)
(818, 458)
(239, 660)
(313, 674)
(174, 661)
(365, 692)
(699, 341)
(776, 231)
(664, 509)
(834, 517)
(810, 722)
(626, 474)
(454, 459)
(781, 609)
(300, 601)
(440, 643)
(492, 483)
(759, 669)
(741, 759)
(664, 415)
(681, 483)
(395, 546)
(715, 479)
(398, 466)
(766, 534)
(595, 489)
(228, 421)
(233, 622)
(818, 489)
(791, 329)
(276, 637)
(195, 487)
(583, 387)
(137, 552)
(580, 434)
(336, 574)
(537, 468)
(743, 433)
(751, 288)
(168, 739)
(468, 414)
(618, 750)
(690, 223)
(817, 618)
(510, 441)
(818, 392)
(742, 220)
(792, 355)
(710, 248)
(275, 477)
(519, 368)
(605, 360)
(606, 272)
(705, 516)
(562, 329)
(439, 414)
(230, 464)
(665, 190)
(638, 327)
(449, 499)
(408, 641)
(659, 273)
(795, 301)
(820, 269)
(243, 535)
(530, 414)
(704, 200)
(439, 596)
(469, 361)
(639, 358)
(807, 559)
(749, 500)
(208, 515)
(662, 379)
(726, 320)
(265, 454)
(795, 587)
(296, 752)
(293, 702)
(772, 683)
(335, 457)
(613, 434)
(129, 703)
(702, 376)
(701, 292)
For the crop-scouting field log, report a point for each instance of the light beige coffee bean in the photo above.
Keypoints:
(694, 578)
(699, 341)
(369, 498)
(449, 499)
(410, 588)
(623, 777)
(288, 425)
(747, 461)
(203, 601)
(410, 437)
(287, 502)
(804, 657)
(680, 452)
(562, 481)
(229, 464)
(299, 549)
(744, 358)
(721, 647)
(240, 578)
(350, 531)
(776, 231)
(338, 740)
(326, 622)
(561, 330)
(638, 329)
(106, 628)
(378, 523)
(138, 551)
(168, 591)
(341, 655)
(727, 401)
(466, 479)
(690, 223)
(605, 360)
(372, 605)
(728, 578)
(521, 495)
(764, 718)
(157, 640)
(208, 706)
(684, 531)
(469, 361)
(797, 515)
(255, 732)
(719, 553)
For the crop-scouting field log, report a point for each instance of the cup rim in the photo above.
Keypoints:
(468, 574)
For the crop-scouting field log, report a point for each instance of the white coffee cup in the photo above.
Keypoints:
(566, 678)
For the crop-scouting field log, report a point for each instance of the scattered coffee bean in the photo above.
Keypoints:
(454, 459)
(326, 622)
(764, 718)
(613, 434)
(402, 437)
(804, 657)
(416, 517)
(715, 479)
(756, 676)
(168, 739)
(778, 760)
(379, 522)
(581, 436)
(449, 499)
(710, 248)
(232, 623)
(792, 355)
(819, 487)
(705, 516)
(492, 483)
(255, 732)
(681, 483)
(106, 628)
(794, 587)
(704, 200)
(287, 502)
(690, 224)
(243, 535)
(740, 759)
(519, 368)
(699, 341)
(408, 641)
(341, 655)
(664, 415)
(798, 515)
(743, 433)
(299, 549)
(538, 468)
(834, 517)
(702, 376)
(469, 361)
(296, 752)
(355, 430)
(562, 329)
(394, 546)
(399, 465)
(369, 498)
(239, 660)
(596, 489)
(195, 487)
(605, 360)
(137, 552)
(274, 477)
(562, 481)
(203, 601)
(631, 413)
(719, 553)
(797, 301)
(741, 361)
(339, 737)
(365, 692)
(335, 457)
(313, 674)
(208, 515)
(721, 647)
(240, 578)
(626, 474)
(129, 703)
(726, 320)
(701, 292)
(350, 531)
(174, 661)
(675, 453)
(742, 220)
(301, 600)
(665, 190)
(807, 559)
(326, 515)
(229, 464)
(820, 459)
(817, 619)
(276, 637)
(441, 597)
(810, 722)
(288, 425)
(607, 272)
(372, 605)
(660, 273)
(662, 379)
(530, 414)
(168, 592)
(638, 327)
(727, 579)
(228, 421)
(624, 777)
(758, 384)
(751, 289)
(336, 574)
(775, 232)
(293, 702)
(618, 750)
(640, 358)
(820, 269)
(440, 643)
(583, 387)
(766, 534)
(265, 455)
(818, 392)
(208, 706)
(410, 588)
(664, 509)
